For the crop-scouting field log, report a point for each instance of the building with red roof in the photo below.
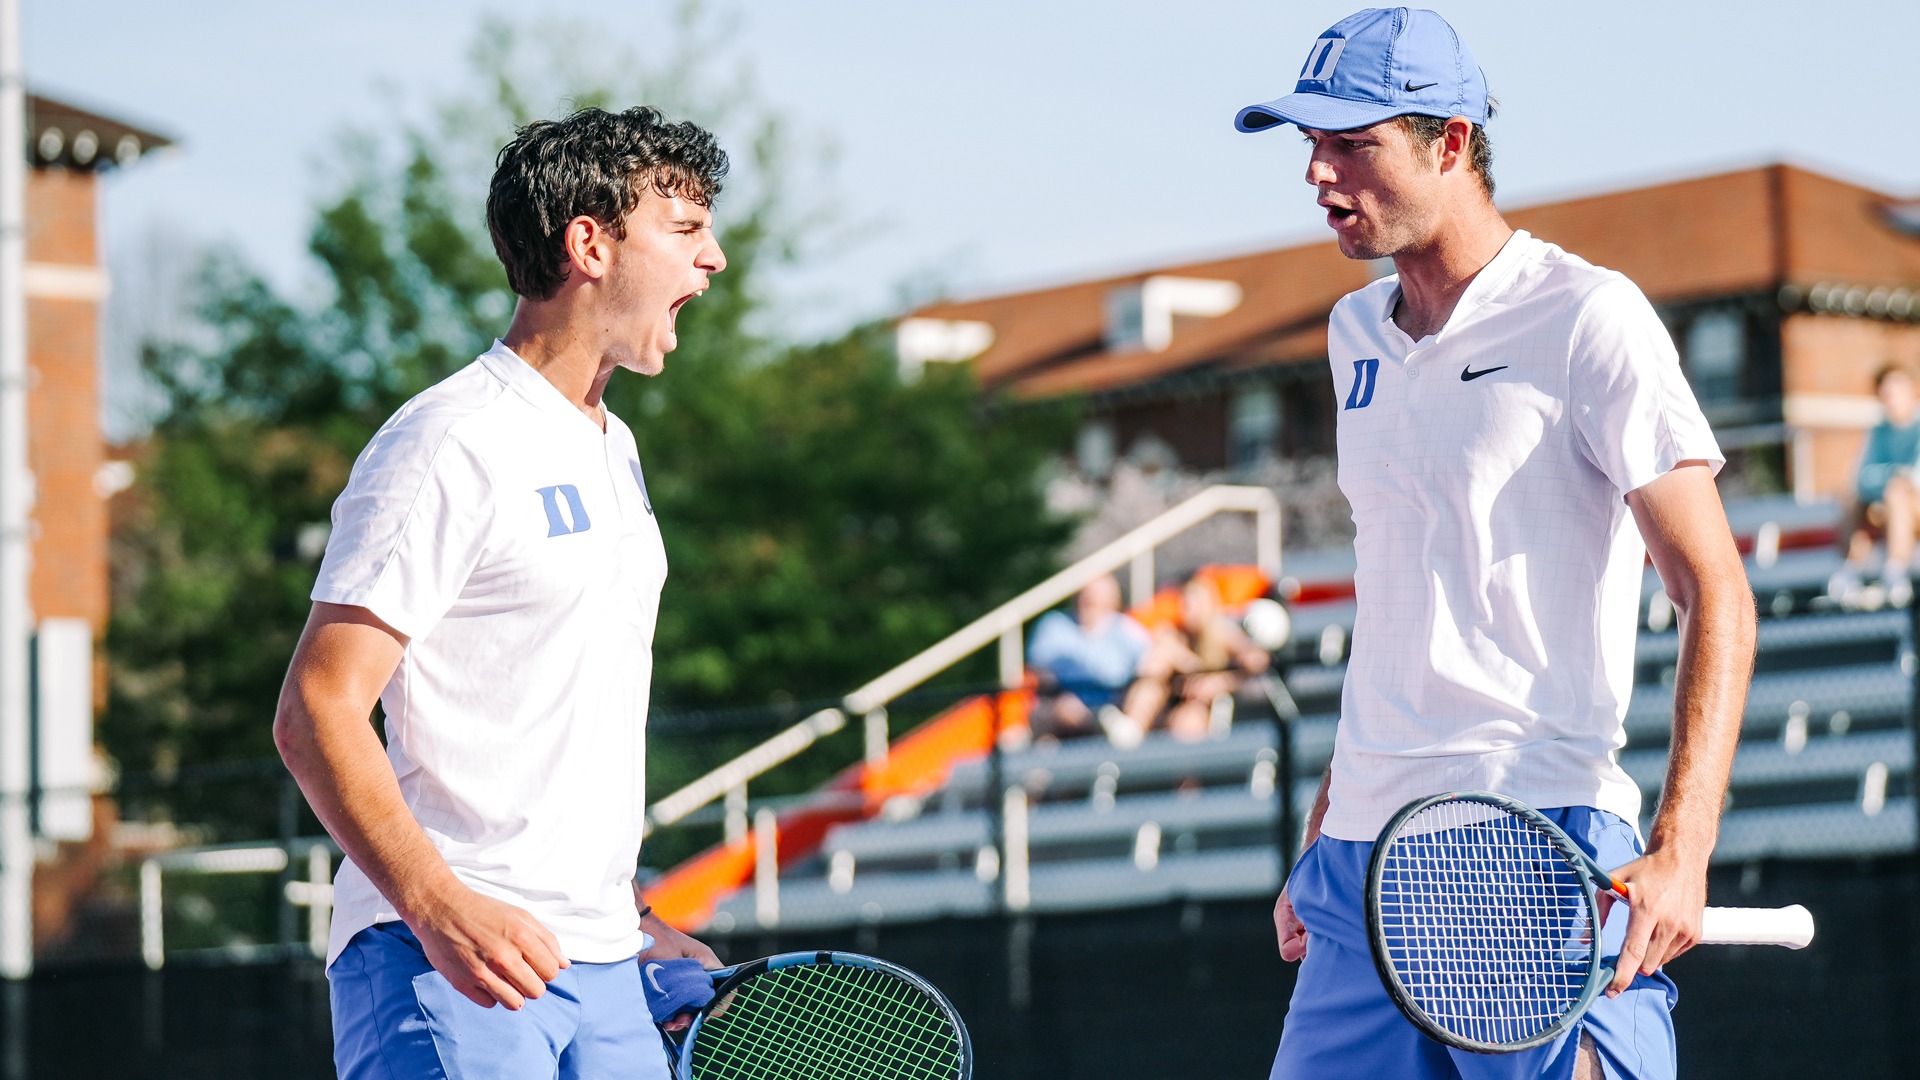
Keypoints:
(1785, 289)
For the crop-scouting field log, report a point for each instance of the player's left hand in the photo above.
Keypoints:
(1669, 892)
(671, 944)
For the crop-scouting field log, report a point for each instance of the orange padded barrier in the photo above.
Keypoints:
(917, 763)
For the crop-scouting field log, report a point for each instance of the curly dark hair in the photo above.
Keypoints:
(1426, 130)
(594, 163)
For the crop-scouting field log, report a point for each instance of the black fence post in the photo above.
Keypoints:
(1289, 828)
(996, 801)
(16, 1060)
(1285, 711)
(1910, 662)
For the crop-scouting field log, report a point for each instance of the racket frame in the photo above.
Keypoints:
(728, 979)
(1598, 973)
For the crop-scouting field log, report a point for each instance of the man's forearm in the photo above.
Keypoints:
(325, 737)
(351, 787)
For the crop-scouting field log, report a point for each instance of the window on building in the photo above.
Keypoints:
(1253, 425)
(1126, 318)
(1716, 355)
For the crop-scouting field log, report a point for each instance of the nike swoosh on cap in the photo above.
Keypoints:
(1467, 374)
(1412, 89)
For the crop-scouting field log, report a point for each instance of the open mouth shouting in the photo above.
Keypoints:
(673, 310)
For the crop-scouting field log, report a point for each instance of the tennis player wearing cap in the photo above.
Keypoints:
(493, 579)
(1515, 437)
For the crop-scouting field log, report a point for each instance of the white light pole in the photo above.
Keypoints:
(16, 508)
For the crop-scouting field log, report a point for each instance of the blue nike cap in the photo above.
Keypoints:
(1376, 64)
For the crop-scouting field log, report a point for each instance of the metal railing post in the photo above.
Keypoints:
(735, 829)
(1013, 658)
(1140, 578)
(152, 944)
(766, 868)
(1014, 861)
(876, 736)
(319, 900)
(1266, 540)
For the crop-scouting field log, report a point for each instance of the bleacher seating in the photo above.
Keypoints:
(1824, 769)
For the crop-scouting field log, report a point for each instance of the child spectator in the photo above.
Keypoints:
(1884, 495)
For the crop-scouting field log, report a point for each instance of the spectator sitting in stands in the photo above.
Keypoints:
(1087, 665)
(1884, 495)
(1207, 654)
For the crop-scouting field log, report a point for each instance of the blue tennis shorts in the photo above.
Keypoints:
(395, 1018)
(1341, 1022)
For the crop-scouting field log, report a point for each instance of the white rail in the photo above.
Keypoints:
(315, 893)
(735, 774)
(1134, 550)
(1004, 622)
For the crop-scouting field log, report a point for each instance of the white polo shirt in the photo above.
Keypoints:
(513, 542)
(1499, 566)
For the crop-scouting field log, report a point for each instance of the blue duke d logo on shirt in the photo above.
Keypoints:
(573, 519)
(1365, 374)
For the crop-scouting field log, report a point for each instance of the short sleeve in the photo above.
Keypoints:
(1053, 639)
(409, 528)
(1636, 416)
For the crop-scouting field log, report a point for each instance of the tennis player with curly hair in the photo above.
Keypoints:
(493, 580)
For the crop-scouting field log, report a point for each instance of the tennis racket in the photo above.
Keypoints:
(823, 1016)
(1484, 921)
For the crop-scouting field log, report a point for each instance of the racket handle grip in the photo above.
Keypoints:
(1791, 927)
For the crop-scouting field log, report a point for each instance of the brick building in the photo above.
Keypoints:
(66, 286)
(1785, 289)
(68, 150)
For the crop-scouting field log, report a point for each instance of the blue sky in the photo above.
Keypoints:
(996, 144)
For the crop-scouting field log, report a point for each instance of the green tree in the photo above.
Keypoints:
(822, 517)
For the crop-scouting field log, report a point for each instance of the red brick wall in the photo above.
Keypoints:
(64, 442)
(61, 218)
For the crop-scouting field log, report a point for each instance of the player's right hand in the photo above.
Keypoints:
(1293, 933)
(489, 950)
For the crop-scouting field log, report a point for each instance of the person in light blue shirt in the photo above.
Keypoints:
(1088, 664)
(1884, 495)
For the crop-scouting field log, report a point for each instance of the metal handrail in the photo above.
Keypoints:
(1134, 549)
(315, 893)
(737, 772)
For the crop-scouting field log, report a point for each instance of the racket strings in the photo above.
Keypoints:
(1486, 926)
(823, 1027)
(827, 1022)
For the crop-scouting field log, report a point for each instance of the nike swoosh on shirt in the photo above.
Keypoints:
(1467, 374)
(1412, 89)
